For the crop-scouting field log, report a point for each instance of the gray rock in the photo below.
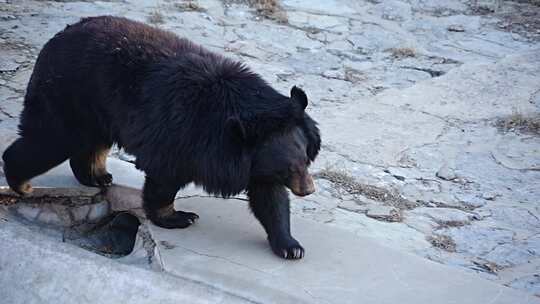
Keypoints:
(507, 255)
(384, 213)
(335, 74)
(7, 65)
(444, 216)
(490, 195)
(80, 213)
(49, 217)
(37, 268)
(352, 206)
(393, 10)
(470, 201)
(444, 199)
(419, 222)
(446, 173)
(124, 198)
(82, 195)
(308, 20)
(476, 240)
(456, 28)
(98, 211)
(516, 217)
(529, 282)
(29, 212)
(313, 62)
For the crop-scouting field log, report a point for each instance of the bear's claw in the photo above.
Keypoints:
(289, 249)
(178, 219)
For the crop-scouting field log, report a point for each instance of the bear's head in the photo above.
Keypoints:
(284, 158)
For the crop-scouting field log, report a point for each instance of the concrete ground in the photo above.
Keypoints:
(429, 112)
(223, 258)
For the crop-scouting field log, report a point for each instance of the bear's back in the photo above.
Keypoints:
(128, 41)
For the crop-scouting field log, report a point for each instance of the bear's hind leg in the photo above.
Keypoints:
(90, 167)
(270, 205)
(28, 157)
(158, 204)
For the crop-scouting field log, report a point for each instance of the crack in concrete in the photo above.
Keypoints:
(224, 259)
(241, 265)
(214, 287)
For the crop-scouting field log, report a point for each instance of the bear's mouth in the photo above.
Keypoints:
(301, 184)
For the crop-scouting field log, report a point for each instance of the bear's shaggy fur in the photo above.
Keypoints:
(185, 113)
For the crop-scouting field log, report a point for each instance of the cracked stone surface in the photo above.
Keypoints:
(408, 95)
(46, 262)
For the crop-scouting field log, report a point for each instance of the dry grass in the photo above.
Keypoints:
(450, 224)
(270, 9)
(403, 52)
(348, 183)
(156, 17)
(519, 122)
(487, 266)
(189, 6)
(533, 2)
(443, 242)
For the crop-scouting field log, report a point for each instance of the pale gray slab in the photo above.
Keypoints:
(227, 248)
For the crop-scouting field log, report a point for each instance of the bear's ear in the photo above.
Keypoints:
(235, 129)
(298, 96)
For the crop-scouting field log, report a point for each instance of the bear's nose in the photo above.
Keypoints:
(303, 185)
(309, 187)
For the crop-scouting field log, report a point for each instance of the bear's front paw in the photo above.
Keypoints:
(177, 219)
(288, 249)
(23, 188)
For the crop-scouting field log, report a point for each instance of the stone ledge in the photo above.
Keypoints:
(56, 192)
(57, 213)
(38, 269)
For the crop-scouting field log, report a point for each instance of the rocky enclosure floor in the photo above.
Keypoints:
(429, 110)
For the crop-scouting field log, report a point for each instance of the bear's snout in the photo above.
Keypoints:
(301, 184)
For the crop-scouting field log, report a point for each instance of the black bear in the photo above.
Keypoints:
(185, 113)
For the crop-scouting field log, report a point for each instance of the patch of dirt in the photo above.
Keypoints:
(270, 9)
(521, 17)
(392, 216)
(189, 6)
(451, 224)
(350, 185)
(443, 242)
(402, 52)
(488, 267)
(521, 123)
